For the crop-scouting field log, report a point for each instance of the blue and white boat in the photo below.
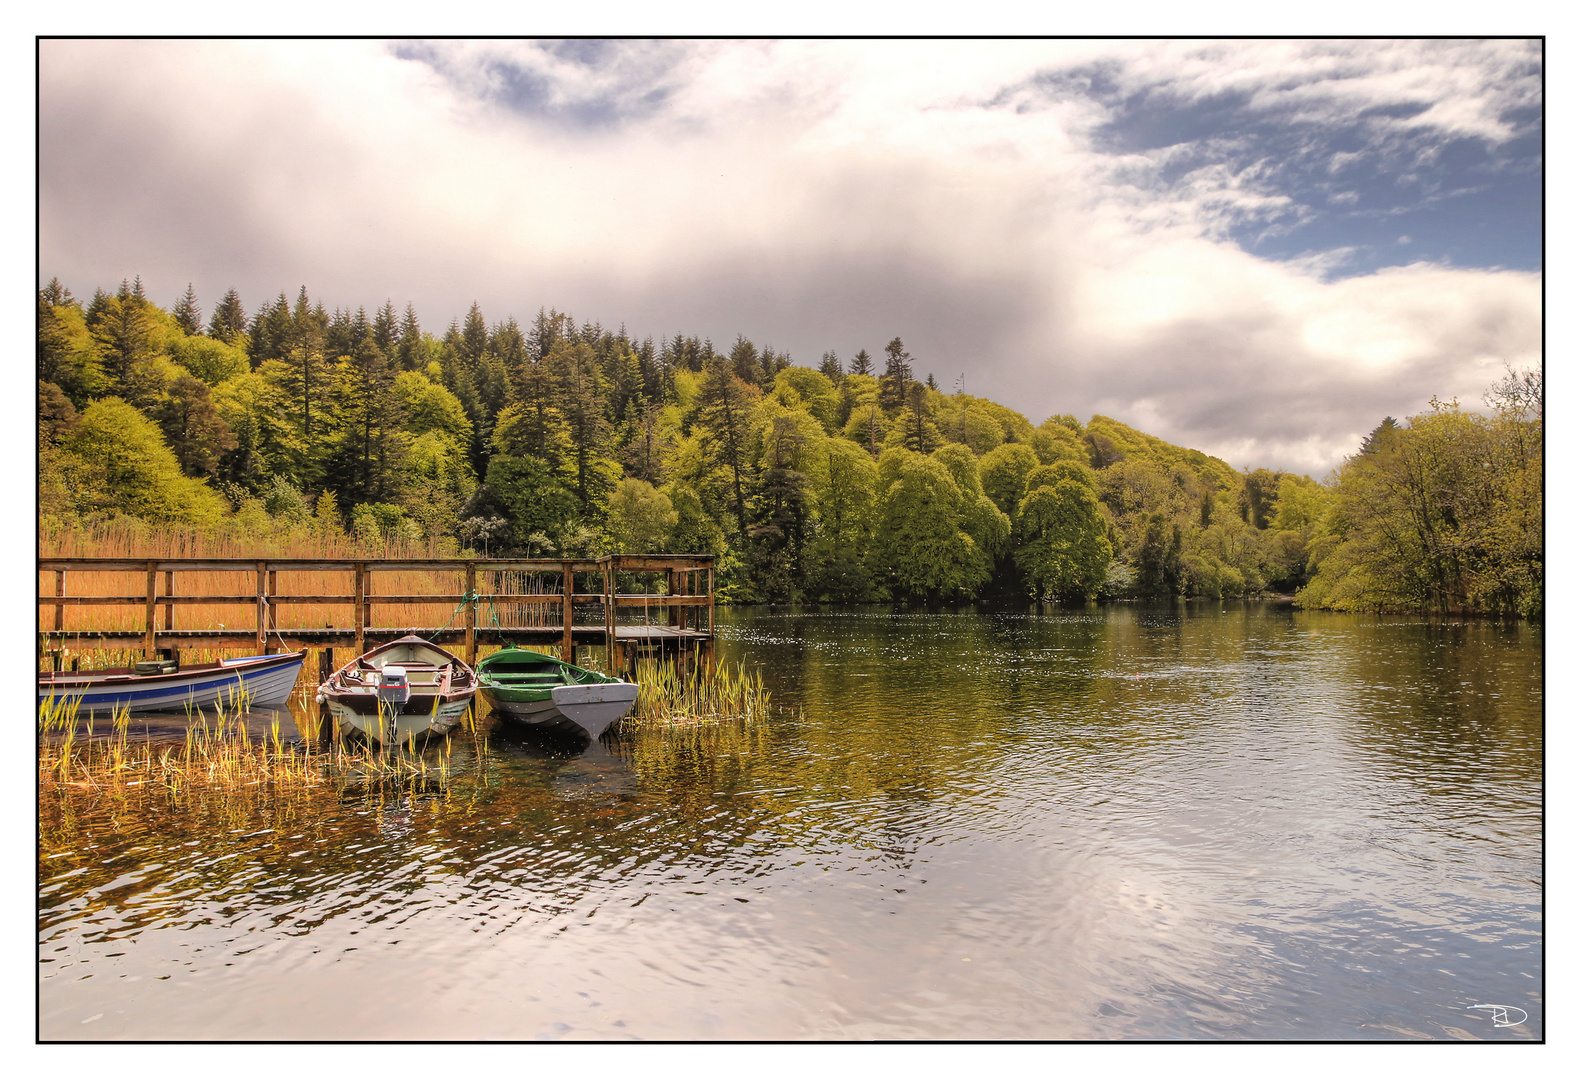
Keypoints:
(258, 682)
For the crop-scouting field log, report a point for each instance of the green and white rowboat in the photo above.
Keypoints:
(532, 688)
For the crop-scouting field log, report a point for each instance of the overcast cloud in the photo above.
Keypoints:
(1257, 249)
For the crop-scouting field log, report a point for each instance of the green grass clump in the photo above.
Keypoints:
(670, 695)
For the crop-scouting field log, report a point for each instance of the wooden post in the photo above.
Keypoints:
(326, 668)
(361, 625)
(263, 609)
(708, 645)
(671, 585)
(170, 590)
(274, 610)
(611, 661)
(148, 631)
(472, 612)
(60, 590)
(568, 593)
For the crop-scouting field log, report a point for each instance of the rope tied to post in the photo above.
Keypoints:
(469, 600)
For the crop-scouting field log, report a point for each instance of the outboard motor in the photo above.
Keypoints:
(393, 687)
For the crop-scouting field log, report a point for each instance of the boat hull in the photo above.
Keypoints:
(594, 706)
(567, 706)
(533, 688)
(435, 689)
(419, 721)
(535, 708)
(262, 682)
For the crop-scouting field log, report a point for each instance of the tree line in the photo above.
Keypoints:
(852, 481)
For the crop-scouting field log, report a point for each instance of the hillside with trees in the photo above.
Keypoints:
(852, 481)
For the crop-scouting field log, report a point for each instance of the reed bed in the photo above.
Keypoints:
(219, 754)
(669, 695)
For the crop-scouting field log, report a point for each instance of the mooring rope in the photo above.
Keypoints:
(471, 598)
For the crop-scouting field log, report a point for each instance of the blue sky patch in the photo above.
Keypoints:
(1369, 188)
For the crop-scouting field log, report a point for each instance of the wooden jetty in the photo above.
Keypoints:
(673, 616)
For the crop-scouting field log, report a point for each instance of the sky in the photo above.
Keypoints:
(1257, 248)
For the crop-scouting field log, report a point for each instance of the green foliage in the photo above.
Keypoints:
(975, 422)
(1443, 513)
(1159, 570)
(869, 428)
(1114, 441)
(427, 407)
(843, 504)
(641, 519)
(1064, 551)
(211, 361)
(695, 532)
(1058, 440)
(381, 523)
(1004, 471)
(1302, 506)
(56, 415)
(723, 414)
(115, 461)
(1049, 475)
(68, 356)
(194, 428)
(254, 407)
(813, 391)
(962, 465)
(1259, 490)
(920, 548)
(534, 498)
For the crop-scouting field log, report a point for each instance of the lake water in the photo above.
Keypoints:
(1207, 822)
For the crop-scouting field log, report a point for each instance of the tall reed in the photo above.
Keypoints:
(669, 694)
(219, 753)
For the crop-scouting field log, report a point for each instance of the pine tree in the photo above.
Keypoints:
(723, 415)
(861, 363)
(474, 335)
(1379, 436)
(548, 329)
(56, 294)
(744, 362)
(337, 336)
(229, 319)
(385, 331)
(122, 326)
(581, 402)
(267, 336)
(366, 463)
(509, 344)
(897, 375)
(830, 367)
(410, 349)
(196, 432)
(187, 314)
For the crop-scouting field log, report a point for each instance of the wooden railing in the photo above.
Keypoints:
(688, 597)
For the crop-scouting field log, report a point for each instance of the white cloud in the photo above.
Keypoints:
(809, 194)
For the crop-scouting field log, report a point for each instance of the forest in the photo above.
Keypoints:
(296, 430)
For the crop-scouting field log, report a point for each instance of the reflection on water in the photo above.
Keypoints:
(1189, 823)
